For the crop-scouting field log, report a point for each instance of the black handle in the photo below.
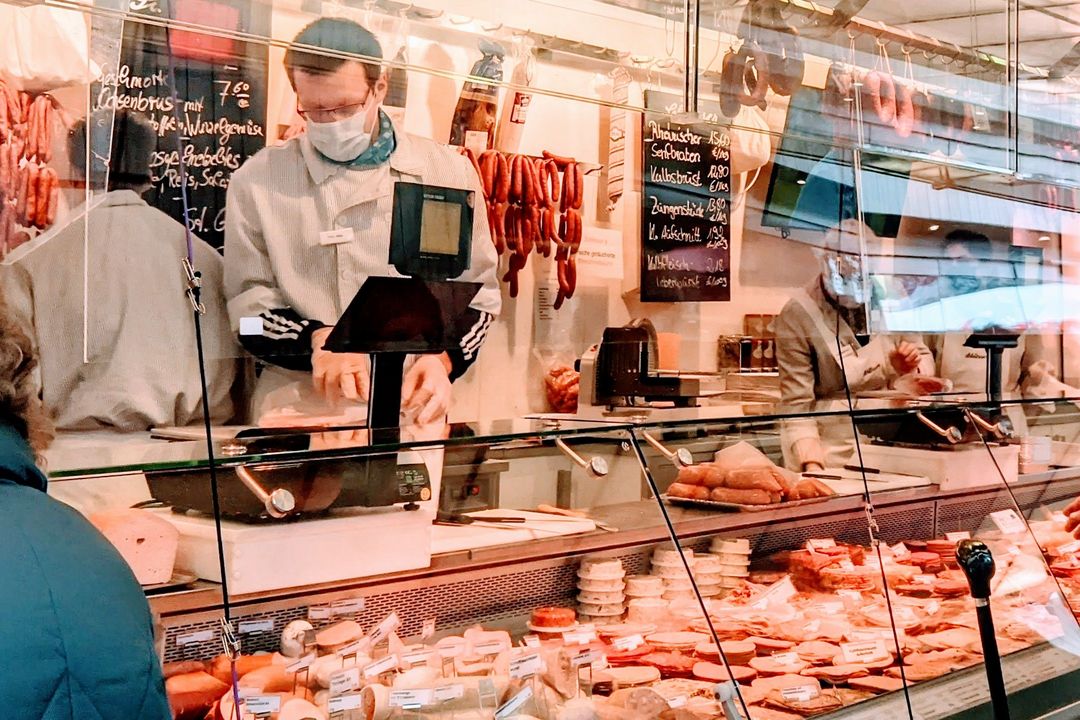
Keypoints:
(977, 562)
(978, 565)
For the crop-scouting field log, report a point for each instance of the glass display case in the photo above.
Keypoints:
(759, 338)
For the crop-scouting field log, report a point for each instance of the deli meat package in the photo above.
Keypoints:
(145, 540)
(743, 475)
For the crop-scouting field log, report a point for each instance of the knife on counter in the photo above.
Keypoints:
(574, 515)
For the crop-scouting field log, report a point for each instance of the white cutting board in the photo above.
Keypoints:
(537, 526)
(852, 481)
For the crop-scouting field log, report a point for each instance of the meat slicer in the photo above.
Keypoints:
(621, 371)
(279, 489)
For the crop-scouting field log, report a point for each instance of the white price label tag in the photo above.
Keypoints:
(532, 641)
(846, 564)
(831, 608)
(900, 551)
(415, 658)
(345, 702)
(320, 613)
(383, 629)
(411, 698)
(354, 648)
(628, 642)
(924, 579)
(515, 703)
(345, 681)
(579, 637)
(813, 626)
(800, 693)
(301, 663)
(195, 637)
(776, 594)
(850, 594)
(525, 666)
(584, 657)
(932, 607)
(677, 702)
(379, 667)
(252, 627)
(428, 629)
(446, 693)
(788, 659)
(958, 536)
(262, 704)
(350, 606)
(489, 648)
(1008, 522)
(1069, 548)
(864, 652)
(820, 544)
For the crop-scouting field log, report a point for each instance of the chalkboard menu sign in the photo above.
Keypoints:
(686, 206)
(220, 110)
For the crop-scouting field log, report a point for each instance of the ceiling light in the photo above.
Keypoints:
(800, 181)
(1044, 238)
(934, 228)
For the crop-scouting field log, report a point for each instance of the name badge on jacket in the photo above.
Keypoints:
(336, 237)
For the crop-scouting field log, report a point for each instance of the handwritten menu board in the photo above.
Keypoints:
(686, 206)
(219, 121)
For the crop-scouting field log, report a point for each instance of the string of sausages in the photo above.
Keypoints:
(29, 189)
(533, 204)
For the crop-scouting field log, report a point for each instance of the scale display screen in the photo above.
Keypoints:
(431, 231)
(439, 226)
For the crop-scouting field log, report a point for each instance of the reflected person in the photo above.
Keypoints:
(103, 295)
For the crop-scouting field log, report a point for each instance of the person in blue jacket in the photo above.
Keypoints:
(76, 635)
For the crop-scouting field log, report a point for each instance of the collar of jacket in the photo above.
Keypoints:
(405, 159)
(17, 461)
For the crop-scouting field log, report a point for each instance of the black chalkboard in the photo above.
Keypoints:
(221, 87)
(686, 205)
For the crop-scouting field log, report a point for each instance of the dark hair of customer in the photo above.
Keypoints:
(128, 149)
(337, 36)
(976, 244)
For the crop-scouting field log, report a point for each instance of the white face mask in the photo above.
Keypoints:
(341, 140)
(843, 280)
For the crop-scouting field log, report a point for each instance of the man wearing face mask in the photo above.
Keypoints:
(822, 348)
(307, 222)
(966, 367)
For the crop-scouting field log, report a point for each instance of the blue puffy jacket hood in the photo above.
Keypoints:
(75, 626)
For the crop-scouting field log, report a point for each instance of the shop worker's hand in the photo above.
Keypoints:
(904, 358)
(338, 376)
(1072, 514)
(425, 391)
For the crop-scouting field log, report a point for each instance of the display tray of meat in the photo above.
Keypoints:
(743, 479)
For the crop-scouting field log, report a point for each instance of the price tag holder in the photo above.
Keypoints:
(415, 658)
(446, 693)
(1069, 548)
(354, 648)
(788, 659)
(411, 699)
(342, 703)
(531, 641)
(320, 613)
(351, 606)
(924, 579)
(628, 642)
(677, 702)
(579, 637)
(195, 637)
(526, 666)
(490, 648)
(800, 693)
(428, 630)
(776, 594)
(511, 706)
(865, 652)
(1008, 522)
(301, 663)
(254, 627)
(345, 681)
(262, 704)
(900, 551)
(383, 629)
(958, 536)
(820, 544)
(379, 667)
(584, 657)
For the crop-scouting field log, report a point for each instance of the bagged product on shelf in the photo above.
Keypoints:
(515, 109)
(44, 48)
(474, 117)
